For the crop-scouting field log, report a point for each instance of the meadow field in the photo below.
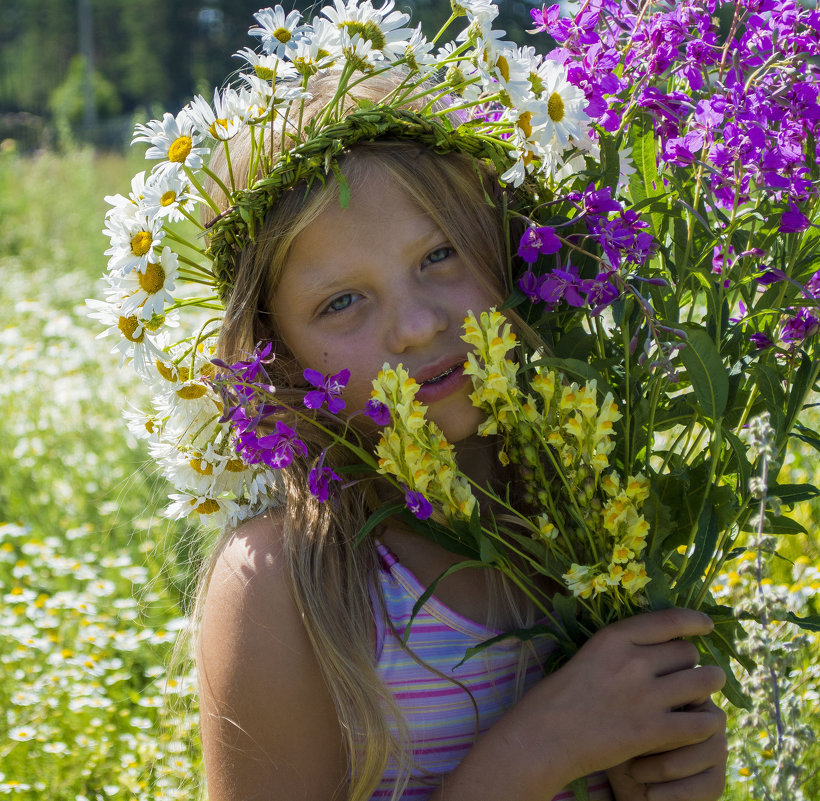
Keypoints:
(95, 584)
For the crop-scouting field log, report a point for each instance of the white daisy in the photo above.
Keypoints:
(147, 292)
(134, 238)
(267, 67)
(172, 139)
(314, 51)
(218, 512)
(279, 32)
(134, 197)
(381, 27)
(418, 53)
(167, 194)
(564, 117)
(484, 11)
(135, 340)
(220, 121)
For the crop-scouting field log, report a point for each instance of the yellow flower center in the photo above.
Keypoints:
(219, 128)
(235, 466)
(180, 149)
(555, 107)
(503, 68)
(525, 124)
(168, 198)
(367, 30)
(263, 73)
(128, 325)
(536, 83)
(191, 392)
(201, 467)
(207, 507)
(153, 279)
(282, 34)
(141, 243)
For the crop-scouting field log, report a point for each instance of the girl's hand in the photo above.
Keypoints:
(630, 691)
(694, 772)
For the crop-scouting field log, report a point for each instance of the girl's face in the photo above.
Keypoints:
(379, 282)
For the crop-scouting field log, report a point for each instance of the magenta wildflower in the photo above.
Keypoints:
(377, 412)
(319, 482)
(537, 241)
(275, 450)
(418, 504)
(793, 220)
(761, 341)
(328, 389)
(803, 325)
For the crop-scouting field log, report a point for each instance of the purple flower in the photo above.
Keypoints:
(601, 293)
(793, 220)
(319, 482)
(275, 450)
(329, 387)
(538, 240)
(561, 285)
(600, 201)
(761, 341)
(803, 325)
(377, 412)
(418, 504)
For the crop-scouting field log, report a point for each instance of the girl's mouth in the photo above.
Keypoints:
(440, 386)
(441, 376)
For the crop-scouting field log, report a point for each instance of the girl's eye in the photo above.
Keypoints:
(439, 254)
(340, 303)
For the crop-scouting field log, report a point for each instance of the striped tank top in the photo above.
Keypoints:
(440, 714)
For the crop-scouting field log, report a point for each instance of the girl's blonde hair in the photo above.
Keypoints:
(331, 577)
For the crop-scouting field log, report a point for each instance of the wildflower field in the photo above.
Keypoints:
(95, 582)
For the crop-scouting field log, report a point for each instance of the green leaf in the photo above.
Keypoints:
(807, 435)
(377, 517)
(794, 493)
(704, 548)
(431, 588)
(803, 380)
(712, 653)
(741, 459)
(771, 390)
(610, 161)
(706, 372)
(809, 622)
(778, 525)
(540, 630)
(580, 788)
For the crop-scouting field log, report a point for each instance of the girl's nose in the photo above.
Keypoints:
(414, 320)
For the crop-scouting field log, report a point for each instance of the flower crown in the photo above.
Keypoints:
(477, 94)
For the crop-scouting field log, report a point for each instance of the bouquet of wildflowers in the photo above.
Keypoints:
(664, 173)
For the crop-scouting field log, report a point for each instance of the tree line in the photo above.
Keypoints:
(86, 69)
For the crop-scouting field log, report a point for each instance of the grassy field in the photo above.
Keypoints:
(93, 587)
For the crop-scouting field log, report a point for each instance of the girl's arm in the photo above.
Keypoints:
(629, 691)
(269, 728)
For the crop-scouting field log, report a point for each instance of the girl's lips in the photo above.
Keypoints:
(435, 389)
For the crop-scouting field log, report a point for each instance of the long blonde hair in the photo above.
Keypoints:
(331, 577)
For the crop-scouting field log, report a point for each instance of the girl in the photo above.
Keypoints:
(307, 691)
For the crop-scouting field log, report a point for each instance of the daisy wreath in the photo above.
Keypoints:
(665, 175)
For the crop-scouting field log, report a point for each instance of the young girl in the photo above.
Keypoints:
(306, 689)
(312, 687)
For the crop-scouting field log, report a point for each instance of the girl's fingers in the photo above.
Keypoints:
(706, 786)
(682, 763)
(687, 687)
(673, 656)
(652, 628)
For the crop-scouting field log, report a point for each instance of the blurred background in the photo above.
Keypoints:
(84, 70)
(95, 584)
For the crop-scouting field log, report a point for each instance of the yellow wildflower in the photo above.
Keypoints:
(634, 578)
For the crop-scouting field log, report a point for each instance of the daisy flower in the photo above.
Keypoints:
(220, 121)
(172, 139)
(266, 67)
(484, 11)
(381, 27)
(315, 52)
(147, 292)
(134, 197)
(168, 194)
(134, 238)
(566, 119)
(279, 33)
(417, 53)
(134, 341)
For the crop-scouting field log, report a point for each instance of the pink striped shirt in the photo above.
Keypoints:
(439, 713)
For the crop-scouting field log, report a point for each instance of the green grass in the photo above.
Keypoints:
(92, 579)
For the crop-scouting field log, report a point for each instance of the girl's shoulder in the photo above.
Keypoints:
(262, 695)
